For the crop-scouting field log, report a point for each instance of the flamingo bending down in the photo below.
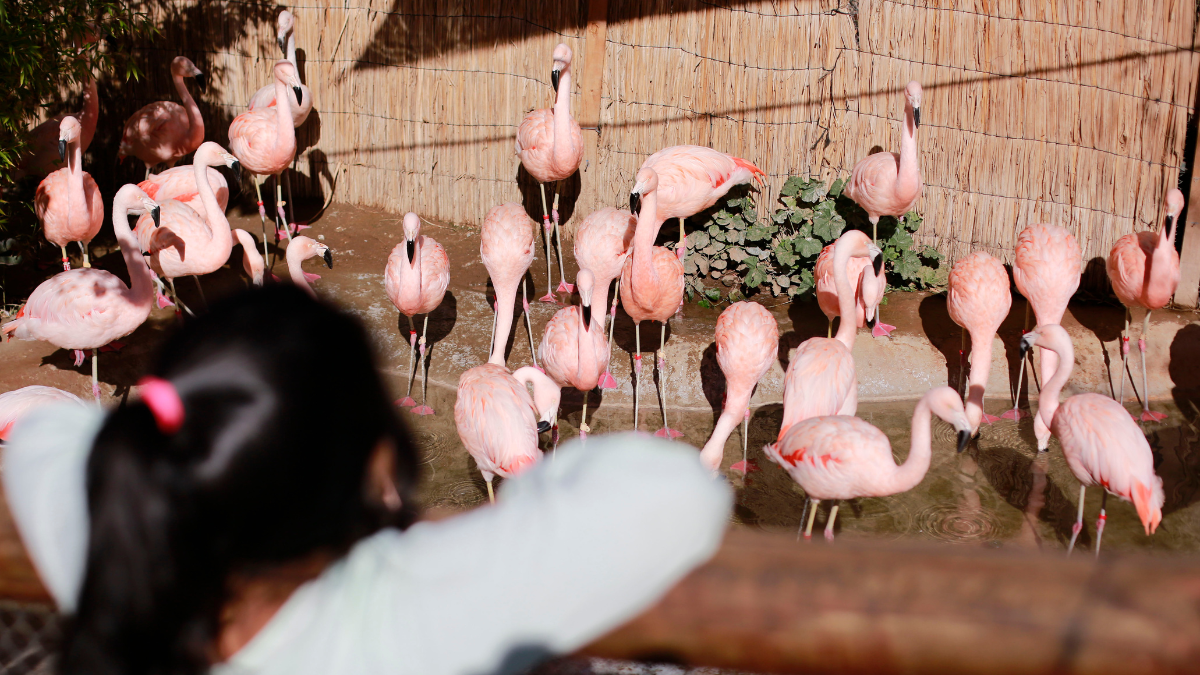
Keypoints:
(887, 184)
(299, 249)
(692, 178)
(164, 131)
(844, 457)
(601, 247)
(506, 246)
(1144, 270)
(252, 262)
(179, 183)
(87, 308)
(821, 379)
(17, 403)
(264, 140)
(1046, 269)
(416, 277)
(869, 287)
(747, 338)
(573, 349)
(978, 301)
(653, 278)
(1102, 444)
(42, 154)
(550, 146)
(67, 202)
(497, 420)
(265, 98)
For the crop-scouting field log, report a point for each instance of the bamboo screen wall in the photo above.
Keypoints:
(1066, 111)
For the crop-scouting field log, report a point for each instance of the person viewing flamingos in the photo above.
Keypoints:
(415, 279)
(573, 351)
(163, 131)
(889, 184)
(550, 147)
(601, 247)
(67, 202)
(869, 287)
(506, 245)
(1144, 271)
(978, 301)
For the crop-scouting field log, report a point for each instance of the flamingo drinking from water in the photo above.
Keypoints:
(550, 146)
(302, 248)
(868, 285)
(507, 248)
(163, 131)
(573, 351)
(17, 403)
(498, 422)
(67, 202)
(886, 183)
(265, 97)
(601, 247)
(87, 308)
(747, 338)
(416, 277)
(179, 183)
(1102, 444)
(1144, 271)
(978, 301)
(653, 279)
(844, 457)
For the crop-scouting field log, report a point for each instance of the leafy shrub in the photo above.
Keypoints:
(741, 252)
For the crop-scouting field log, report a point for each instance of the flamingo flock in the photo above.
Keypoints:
(500, 412)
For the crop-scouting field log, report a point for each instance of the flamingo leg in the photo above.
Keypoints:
(495, 318)
(547, 227)
(528, 324)
(201, 289)
(666, 432)
(1124, 357)
(66, 262)
(681, 250)
(1100, 521)
(83, 247)
(606, 380)
(178, 301)
(829, 330)
(829, 525)
(812, 515)
(962, 362)
(583, 425)
(563, 286)
(262, 216)
(491, 495)
(1147, 414)
(745, 440)
(637, 370)
(280, 218)
(803, 518)
(1078, 527)
(407, 401)
(96, 375)
(1015, 413)
(291, 207)
(423, 409)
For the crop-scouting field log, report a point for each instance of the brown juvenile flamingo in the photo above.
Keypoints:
(978, 301)
(506, 246)
(415, 279)
(163, 131)
(601, 247)
(67, 202)
(574, 352)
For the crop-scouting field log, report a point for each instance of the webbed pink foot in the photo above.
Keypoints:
(296, 227)
(668, 432)
(564, 287)
(1151, 416)
(1015, 414)
(990, 419)
(422, 410)
(549, 297)
(78, 357)
(828, 536)
(310, 277)
(745, 467)
(607, 381)
(161, 300)
(882, 329)
(406, 402)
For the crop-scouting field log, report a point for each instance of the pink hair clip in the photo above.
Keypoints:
(160, 396)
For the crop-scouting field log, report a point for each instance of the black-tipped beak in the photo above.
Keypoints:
(410, 247)
(299, 94)
(237, 170)
(201, 81)
(62, 150)
(156, 215)
(329, 258)
(1026, 345)
(554, 74)
(917, 117)
(282, 45)
(964, 437)
(543, 426)
(877, 264)
(587, 317)
(635, 203)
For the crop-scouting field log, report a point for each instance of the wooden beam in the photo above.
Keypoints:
(1187, 293)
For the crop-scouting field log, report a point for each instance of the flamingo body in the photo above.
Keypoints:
(886, 183)
(496, 420)
(655, 288)
(69, 212)
(265, 97)
(821, 380)
(536, 142)
(417, 286)
(573, 351)
(1144, 267)
(264, 140)
(507, 248)
(692, 178)
(179, 184)
(868, 287)
(164, 131)
(601, 246)
(979, 301)
(1047, 269)
(16, 404)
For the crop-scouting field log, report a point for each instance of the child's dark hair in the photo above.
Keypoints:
(283, 410)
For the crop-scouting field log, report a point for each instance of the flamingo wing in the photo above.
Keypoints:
(435, 274)
(495, 419)
(836, 457)
(821, 378)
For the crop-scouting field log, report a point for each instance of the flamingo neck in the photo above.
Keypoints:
(908, 474)
(506, 301)
(1162, 269)
(195, 121)
(291, 50)
(1048, 398)
(75, 172)
(737, 402)
(410, 293)
(848, 326)
(908, 182)
(644, 277)
(91, 113)
(296, 271)
(561, 154)
(285, 137)
(586, 368)
(141, 280)
(981, 369)
(214, 217)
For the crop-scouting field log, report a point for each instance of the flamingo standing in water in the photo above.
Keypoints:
(886, 183)
(601, 247)
(978, 301)
(550, 146)
(163, 131)
(416, 277)
(67, 202)
(87, 308)
(179, 183)
(654, 282)
(497, 420)
(1144, 271)
(17, 403)
(506, 246)
(264, 140)
(299, 249)
(868, 289)
(574, 352)
(747, 340)
(692, 178)
(1102, 444)
(1046, 269)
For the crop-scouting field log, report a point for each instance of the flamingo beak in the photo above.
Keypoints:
(410, 247)
(635, 203)
(299, 93)
(155, 214)
(917, 117)
(62, 150)
(877, 264)
(201, 81)
(554, 74)
(328, 258)
(587, 317)
(282, 45)
(964, 437)
(1027, 341)
(237, 170)
(543, 426)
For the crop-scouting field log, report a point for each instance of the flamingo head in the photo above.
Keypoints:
(562, 61)
(183, 67)
(136, 202)
(546, 395)
(647, 181)
(306, 248)
(212, 154)
(285, 25)
(585, 281)
(946, 404)
(285, 72)
(69, 130)
(912, 93)
(1174, 206)
(412, 230)
(1049, 336)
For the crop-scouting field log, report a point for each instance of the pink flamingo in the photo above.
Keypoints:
(601, 247)
(1046, 270)
(264, 140)
(550, 147)
(574, 352)
(869, 288)
(265, 98)
(17, 403)
(163, 131)
(506, 246)
(747, 340)
(87, 308)
(1102, 444)
(887, 184)
(252, 262)
(416, 277)
(1144, 271)
(497, 420)
(67, 202)
(978, 301)
(821, 379)
(299, 249)
(843, 457)
(653, 278)
(179, 183)
(42, 155)
(207, 239)
(691, 179)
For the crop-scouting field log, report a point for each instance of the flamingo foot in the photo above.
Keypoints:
(680, 252)
(549, 297)
(668, 432)
(113, 346)
(310, 277)
(564, 287)
(78, 357)
(275, 278)
(1151, 416)
(745, 467)
(990, 419)
(161, 300)
(1015, 414)
(296, 227)
(637, 363)
(828, 536)
(96, 390)
(406, 402)
(422, 410)
(280, 233)
(882, 329)
(607, 381)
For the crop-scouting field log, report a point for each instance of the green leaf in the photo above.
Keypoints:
(835, 190)
(758, 233)
(713, 294)
(697, 240)
(791, 187)
(808, 247)
(737, 254)
(813, 190)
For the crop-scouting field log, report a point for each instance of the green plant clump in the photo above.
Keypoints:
(743, 253)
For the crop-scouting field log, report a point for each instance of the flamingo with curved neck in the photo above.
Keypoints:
(506, 246)
(67, 202)
(302, 248)
(574, 351)
(285, 37)
(163, 131)
(978, 301)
